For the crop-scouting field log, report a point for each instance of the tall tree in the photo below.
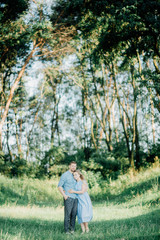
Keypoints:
(37, 38)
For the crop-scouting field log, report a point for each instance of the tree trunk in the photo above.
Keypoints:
(4, 115)
(9, 150)
(114, 125)
(92, 134)
(126, 135)
(30, 132)
(17, 135)
(155, 82)
(152, 117)
(135, 138)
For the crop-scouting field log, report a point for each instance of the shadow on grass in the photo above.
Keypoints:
(133, 191)
(144, 227)
(9, 196)
(5, 191)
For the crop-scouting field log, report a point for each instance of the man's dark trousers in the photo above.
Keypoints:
(70, 212)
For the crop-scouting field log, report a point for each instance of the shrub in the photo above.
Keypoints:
(154, 151)
(19, 167)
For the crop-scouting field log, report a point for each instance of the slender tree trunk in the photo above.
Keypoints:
(152, 108)
(126, 135)
(114, 125)
(4, 115)
(52, 130)
(135, 138)
(55, 118)
(100, 136)
(8, 146)
(28, 138)
(85, 108)
(84, 105)
(156, 65)
(133, 119)
(152, 117)
(155, 82)
(138, 160)
(92, 134)
(17, 137)
(20, 134)
(57, 126)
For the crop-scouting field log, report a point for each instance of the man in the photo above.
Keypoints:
(66, 183)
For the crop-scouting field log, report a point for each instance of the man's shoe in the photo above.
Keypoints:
(72, 232)
(68, 233)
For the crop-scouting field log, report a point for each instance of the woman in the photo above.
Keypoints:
(84, 211)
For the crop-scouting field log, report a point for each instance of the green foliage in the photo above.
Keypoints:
(16, 42)
(10, 10)
(122, 22)
(54, 156)
(19, 167)
(58, 170)
(107, 164)
(153, 153)
(119, 32)
(93, 179)
(2, 162)
(108, 161)
(5, 164)
(51, 163)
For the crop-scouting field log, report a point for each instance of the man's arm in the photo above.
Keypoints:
(63, 193)
(60, 186)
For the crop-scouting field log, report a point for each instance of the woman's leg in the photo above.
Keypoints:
(86, 226)
(83, 227)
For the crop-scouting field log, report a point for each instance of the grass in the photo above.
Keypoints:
(127, 208)
(29, 191)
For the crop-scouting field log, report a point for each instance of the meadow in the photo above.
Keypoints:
(125, 208)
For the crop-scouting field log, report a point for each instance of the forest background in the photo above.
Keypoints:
(80, 80)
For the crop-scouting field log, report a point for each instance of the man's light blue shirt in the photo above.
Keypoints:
(67, 182)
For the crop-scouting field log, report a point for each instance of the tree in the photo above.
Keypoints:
(35, 36)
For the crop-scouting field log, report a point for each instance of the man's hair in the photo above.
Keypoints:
(73, 162)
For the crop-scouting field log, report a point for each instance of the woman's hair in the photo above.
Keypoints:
(81, 175)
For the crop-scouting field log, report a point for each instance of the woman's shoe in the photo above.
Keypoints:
(87, 230)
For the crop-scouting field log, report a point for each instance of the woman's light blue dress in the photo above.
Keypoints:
(84, 211)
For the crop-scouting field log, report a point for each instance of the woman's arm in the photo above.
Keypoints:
(84, 189)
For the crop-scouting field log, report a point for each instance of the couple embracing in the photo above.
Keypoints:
(73, 188)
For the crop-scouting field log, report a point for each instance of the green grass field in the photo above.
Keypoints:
(127, 208)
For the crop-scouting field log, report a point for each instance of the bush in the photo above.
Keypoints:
(106, 163)
(48, 165)
(153, 152)
(19, 167)
(58, 170)
(93, 179)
